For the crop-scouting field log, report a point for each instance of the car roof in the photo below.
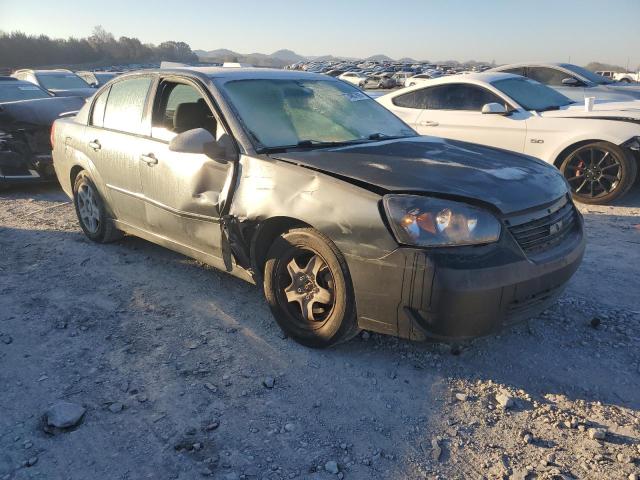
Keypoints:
(530, 64)
(483, 77)
(53, 70)
(237, 73)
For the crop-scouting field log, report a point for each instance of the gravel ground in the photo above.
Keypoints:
(181, 372)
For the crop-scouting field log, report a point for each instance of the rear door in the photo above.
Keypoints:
(454, 110)
(116, 125)
(184, 192)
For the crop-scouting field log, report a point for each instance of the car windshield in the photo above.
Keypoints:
(531, 95)
(61, 81)
(16, 91)
(308, 113)
(588, 74)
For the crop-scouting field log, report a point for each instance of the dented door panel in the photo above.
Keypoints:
(182, 193)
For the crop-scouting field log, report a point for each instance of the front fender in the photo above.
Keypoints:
(348, 214)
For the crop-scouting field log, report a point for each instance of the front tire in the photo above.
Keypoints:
(599, 172)
(308, 288)
(91, 211)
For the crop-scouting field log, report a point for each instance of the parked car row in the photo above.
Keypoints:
(380, 75)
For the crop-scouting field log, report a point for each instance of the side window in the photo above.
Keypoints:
(415, 99)
(460, 97)
(97, 114)
(180, 107)
(125, 105)
(547, 76)
(448, 97)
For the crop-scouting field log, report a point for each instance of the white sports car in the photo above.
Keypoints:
(598, 151)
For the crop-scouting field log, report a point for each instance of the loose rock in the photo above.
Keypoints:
(332, 467)
(268, 382)
(64, 414)
(505, 400)
(597, 433)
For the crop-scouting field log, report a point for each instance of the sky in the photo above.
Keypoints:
(501, 30)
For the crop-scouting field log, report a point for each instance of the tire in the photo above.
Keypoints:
(86, 198)
(625, 80)
(599, 172)
(332, 322)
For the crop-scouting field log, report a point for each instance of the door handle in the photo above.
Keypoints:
(95, 145)
(150, 159)
(428, 123)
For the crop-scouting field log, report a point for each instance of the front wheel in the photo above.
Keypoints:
(599, 172)
(308, 288)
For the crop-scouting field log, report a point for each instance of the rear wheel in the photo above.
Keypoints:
(308, 288)
(599, 172)
(91, 211)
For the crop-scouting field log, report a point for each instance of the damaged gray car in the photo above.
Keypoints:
(26, 115)
(304, 185)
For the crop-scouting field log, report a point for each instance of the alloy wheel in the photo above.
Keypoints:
(88, 208)
(307, 288)
(593, 171)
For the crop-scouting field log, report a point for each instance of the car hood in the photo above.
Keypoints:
(613, 91)
(40, 112)
(74, 92)
(510, 182)
(602, 109)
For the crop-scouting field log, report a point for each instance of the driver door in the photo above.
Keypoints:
(455, 111)
(184, 192)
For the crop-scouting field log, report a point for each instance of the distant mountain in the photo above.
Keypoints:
(379, 58)
(277, 59)
(220, 52)
(288, 55)
(280, 58)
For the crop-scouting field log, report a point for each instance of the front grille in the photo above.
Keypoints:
(540, 234)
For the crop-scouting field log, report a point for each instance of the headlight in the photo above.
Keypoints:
(433, 222)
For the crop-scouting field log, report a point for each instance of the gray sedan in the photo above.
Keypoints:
(304, 185)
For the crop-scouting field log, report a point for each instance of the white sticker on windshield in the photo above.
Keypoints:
(355, 96)
(28, 88)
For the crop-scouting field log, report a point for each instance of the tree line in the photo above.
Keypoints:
(19, 50)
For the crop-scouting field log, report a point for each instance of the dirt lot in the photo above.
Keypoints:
(170, 359)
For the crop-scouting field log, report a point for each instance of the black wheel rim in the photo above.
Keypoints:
(593, 172)
(306, 288)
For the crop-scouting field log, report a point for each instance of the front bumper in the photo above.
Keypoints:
(464, 292)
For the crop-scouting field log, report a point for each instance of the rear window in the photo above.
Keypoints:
(61, 81)
(125, 105)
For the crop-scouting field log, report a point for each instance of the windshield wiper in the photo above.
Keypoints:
(308, 143)
(384, 136)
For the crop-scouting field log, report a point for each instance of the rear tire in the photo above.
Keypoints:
(599, 172)
(92, 212)
(308, 288)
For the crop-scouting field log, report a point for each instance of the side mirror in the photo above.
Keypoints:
(201, 141)
(570, 82)
(494, 108)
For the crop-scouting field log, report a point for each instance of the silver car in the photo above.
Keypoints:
(303, 184)
(573, 81)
